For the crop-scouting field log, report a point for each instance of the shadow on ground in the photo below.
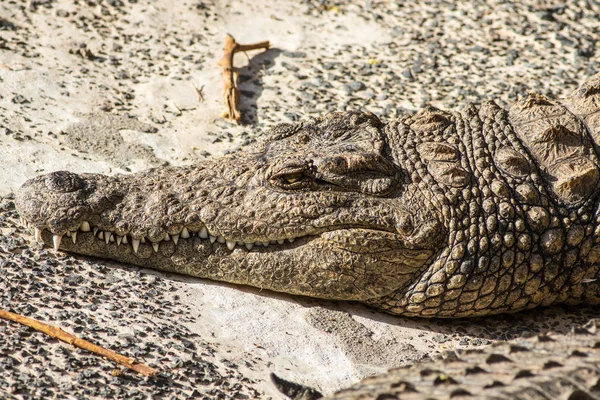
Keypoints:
(250, 83)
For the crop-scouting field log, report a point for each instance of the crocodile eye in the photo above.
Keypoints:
(292, 179)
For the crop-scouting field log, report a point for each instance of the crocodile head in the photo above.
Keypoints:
(321, 209)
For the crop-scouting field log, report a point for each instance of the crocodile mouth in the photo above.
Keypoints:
(89, 239)
(87, 232)
(343, 263)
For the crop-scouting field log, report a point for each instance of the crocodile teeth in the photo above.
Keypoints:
(56, 241)
(109, 237)
(185, 234)
(203, 233)
(136, 244)
(37, 235)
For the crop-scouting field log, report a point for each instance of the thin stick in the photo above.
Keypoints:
(199, 93)
(59, 334)
(231, 95)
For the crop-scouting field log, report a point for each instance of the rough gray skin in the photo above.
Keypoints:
(544, 367)
(440, 214)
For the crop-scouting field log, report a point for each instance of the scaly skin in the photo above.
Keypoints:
(440, 214)
(545, 367)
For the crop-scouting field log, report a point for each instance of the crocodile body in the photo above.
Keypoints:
(543, 367)
(437, 214)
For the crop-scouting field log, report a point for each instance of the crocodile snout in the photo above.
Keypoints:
(62, 201)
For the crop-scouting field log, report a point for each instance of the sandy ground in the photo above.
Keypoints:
(112, 87)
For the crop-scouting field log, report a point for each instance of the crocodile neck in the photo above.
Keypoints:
(514, 243)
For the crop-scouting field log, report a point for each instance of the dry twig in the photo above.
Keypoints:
(199, 93)
(58, 333)
(231, 95)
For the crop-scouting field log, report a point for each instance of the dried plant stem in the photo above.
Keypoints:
(59, 334)
(231, 94)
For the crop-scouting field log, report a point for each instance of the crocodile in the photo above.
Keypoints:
(436, 214)
(547, 367)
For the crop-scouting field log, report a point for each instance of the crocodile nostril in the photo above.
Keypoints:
(63, 181)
